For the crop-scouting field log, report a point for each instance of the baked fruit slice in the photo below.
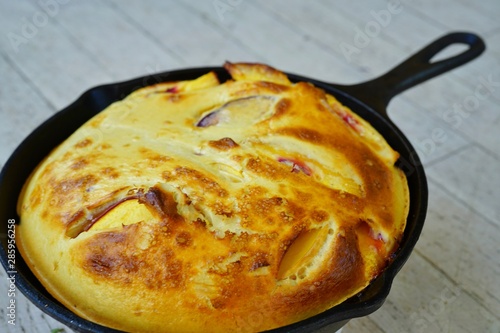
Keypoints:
(200, 206)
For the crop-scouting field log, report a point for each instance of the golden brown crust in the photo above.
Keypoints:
(199, 206)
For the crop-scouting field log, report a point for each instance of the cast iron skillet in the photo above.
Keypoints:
(368, 99)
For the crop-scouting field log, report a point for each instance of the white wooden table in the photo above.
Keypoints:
(53, 50)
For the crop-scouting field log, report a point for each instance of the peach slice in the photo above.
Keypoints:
(302, 252)
(242, 111)
(369, 238)
(122, 207)
(296, 165)
(125, 213)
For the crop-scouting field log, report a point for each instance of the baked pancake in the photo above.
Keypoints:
(200, 206)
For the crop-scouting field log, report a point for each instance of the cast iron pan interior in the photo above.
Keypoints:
(368, 99)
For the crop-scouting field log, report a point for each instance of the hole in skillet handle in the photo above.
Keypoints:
(448, 52)
(419, 67)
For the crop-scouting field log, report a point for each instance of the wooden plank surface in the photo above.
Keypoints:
(51, 51)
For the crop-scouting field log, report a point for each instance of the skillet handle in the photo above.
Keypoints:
(418, 68)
